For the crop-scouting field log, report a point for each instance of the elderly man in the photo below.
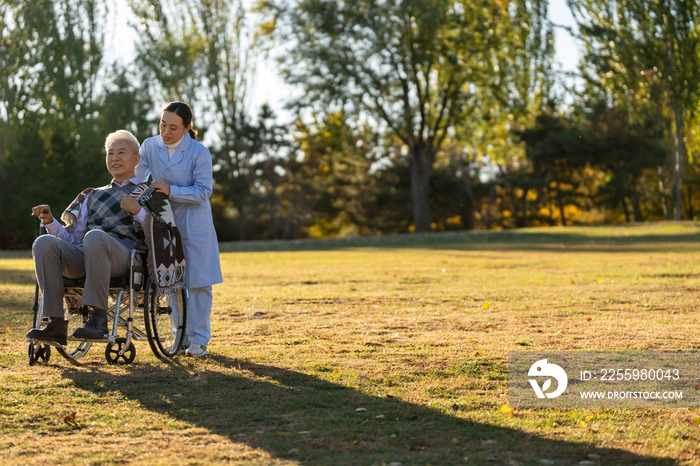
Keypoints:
(97, 245)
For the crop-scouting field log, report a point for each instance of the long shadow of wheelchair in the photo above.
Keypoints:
(296, 416)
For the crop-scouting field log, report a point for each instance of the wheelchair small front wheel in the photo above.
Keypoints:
(112, 352)
(38, 353)
(165, 318)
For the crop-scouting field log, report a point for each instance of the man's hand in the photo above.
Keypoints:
(43, 212)
(161, 187)
(131, 205)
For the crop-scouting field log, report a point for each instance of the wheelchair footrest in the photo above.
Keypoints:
(55, 344)
(105, 339)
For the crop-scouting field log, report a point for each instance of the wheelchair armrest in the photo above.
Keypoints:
(141, 249)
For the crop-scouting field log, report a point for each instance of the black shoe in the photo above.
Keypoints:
(55, 330)
(95, 327)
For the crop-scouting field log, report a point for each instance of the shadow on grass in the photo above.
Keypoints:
(596, 238)
(591, 239)
(299, 417)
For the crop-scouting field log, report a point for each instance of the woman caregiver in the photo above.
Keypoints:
(181, 168)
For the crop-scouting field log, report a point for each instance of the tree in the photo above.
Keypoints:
(355, 179)
(621, 39)
(591, 155)
(203, 52)
(627, 152)
(253, 176)
(127, 103)
(413, 68)
(171, 49)
(51, 55)
(520, 88)
(406, 66)
(556, 150)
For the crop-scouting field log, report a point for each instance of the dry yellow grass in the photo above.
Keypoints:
(414, 330)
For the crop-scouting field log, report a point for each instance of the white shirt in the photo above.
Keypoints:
(76, 237)
(172, 147)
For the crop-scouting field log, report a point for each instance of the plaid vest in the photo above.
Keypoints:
(105, 213)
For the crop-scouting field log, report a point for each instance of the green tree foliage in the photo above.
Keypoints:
(557, 152)
(359, 178)
(406, 65)
(416, 69)
(256, 192)
(446, 103)
(630, 154)
(203, 53)
(623, 38)
(597, 158)
(332, 178)
(521, 87)
(58, 102)
(126, 103)
(357, 181)
(170, 48)
(47, 107)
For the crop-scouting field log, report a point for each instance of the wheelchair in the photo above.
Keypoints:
(164, 318)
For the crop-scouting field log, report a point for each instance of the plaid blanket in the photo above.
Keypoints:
(71, 213)
(166, 259)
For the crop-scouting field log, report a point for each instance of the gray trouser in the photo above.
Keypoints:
(98, 258)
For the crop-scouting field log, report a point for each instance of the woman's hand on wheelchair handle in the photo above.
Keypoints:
(131, 205)
(161, 187)
(43, 213)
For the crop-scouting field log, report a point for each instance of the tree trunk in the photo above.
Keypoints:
(662, 186)
(468, 210)
(636, 208)
(468, 206)
(561, 208)
(241, 222)
(525, 219)
(550, 209)
(625, 209)
(677, 162)
(421, 167)
(488, 220)
(288, 228)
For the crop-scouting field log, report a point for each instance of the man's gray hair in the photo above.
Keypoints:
(123, 135)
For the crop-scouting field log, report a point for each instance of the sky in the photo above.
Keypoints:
(567, 51)
(268, 86)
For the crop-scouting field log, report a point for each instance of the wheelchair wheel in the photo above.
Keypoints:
(75, 350)
(38, 353)
(165, 318)
(112, 353)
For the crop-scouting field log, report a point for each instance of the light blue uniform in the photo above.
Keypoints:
(189, 174)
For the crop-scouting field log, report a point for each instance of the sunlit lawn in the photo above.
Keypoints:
(373, 351)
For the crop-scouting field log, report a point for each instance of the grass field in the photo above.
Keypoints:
(389, 350)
